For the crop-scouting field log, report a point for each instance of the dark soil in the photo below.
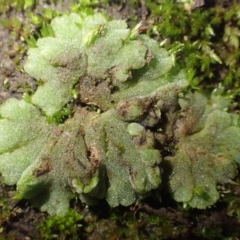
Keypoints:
(9, 76)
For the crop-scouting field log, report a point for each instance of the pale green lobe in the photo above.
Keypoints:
(20, 141)
(135, 164)
(131, 56)
(58, 62)
(72, 22)
(61, 161)
(91, 23)
(109, 54)
(139, 88)
(101, 53)
(81, 188)
(159, 60)
(135, 129)
(204, 158)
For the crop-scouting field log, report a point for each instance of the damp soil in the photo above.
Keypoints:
(149, 220)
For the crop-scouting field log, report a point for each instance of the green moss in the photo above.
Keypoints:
(6, 209)
(202, 40)
(6, 5)
(67, 227)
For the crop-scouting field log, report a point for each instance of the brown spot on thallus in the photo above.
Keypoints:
(44, 168)
(95, 155)
(149, 57)
(130, 170)
(57, 131)
(140, 140)
(124, 108)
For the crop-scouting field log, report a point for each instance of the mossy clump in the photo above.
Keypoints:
(205, 39)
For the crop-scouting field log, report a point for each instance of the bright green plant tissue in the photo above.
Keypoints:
(131, 118)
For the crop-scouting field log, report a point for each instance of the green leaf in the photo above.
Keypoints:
(207, 151)
(58, 73)
(20, 142)
(135, 164)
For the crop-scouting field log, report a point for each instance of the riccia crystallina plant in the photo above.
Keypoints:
(132, 119)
